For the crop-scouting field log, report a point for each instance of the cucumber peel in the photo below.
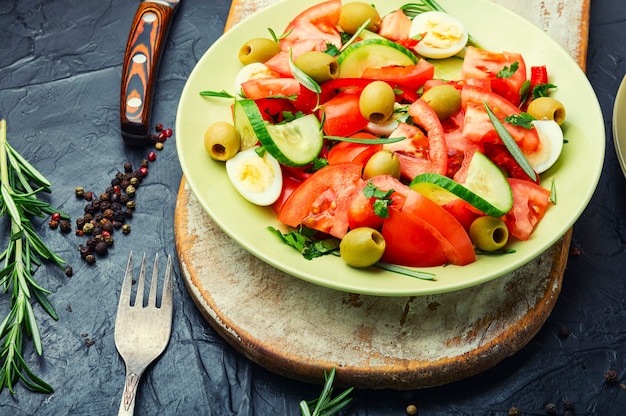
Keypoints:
(373, 53)
(485, 188)
(294, 143)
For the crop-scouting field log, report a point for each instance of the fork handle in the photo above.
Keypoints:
(127, 404)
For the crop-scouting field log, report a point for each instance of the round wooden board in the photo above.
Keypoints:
(298, 329)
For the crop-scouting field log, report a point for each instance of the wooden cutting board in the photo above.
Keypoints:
(298, 329)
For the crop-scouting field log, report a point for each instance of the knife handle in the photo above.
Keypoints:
(144, 49)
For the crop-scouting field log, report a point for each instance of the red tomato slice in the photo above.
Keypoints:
(290, 184)
(419, 152)
(395, 26)
(272, 109)
(321, 201)
(270, 87)
(530, 203)
(342, 116)
(478, 127)
(481, 63)
(456, 243)
(411, 241)
(361, 212)
(347, 152)
(311, 30)
(411, 76)
(501, 156)
(464, 213)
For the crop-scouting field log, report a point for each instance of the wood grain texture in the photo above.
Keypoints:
(297, 329)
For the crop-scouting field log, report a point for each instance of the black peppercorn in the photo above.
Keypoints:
(65, 226)
(611, 376)
(87, 217)
(80, 222)
(90, 259)
(128, 167)
(69, 272)
(84, 251)
(568, 404)
(102, 248)
(550, 409)
(89, 209)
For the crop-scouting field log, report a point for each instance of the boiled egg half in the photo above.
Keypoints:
(550, 145)
(442, 35)
(257, 178)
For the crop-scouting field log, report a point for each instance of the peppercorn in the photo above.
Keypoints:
(168, 132)
(568, 404)
(89, 209)
(131, 204)
(514, 411)
(124, 184)
(123, 199)
(134, 181)
(109, 240)
(88, 217)
(56, 216)
(104, 196)
(128, 213)
(79, 191)
(69, 272)
(104, 205)
(91, 243)
(88, 196)
(80, 222)
(88, 228)
(116, 224)
(128, 167)
(551, 409)
(143, 171)
(96, 204)
(102, 248)
(411, 410)
(66, 226)
(564, 331)
(611, 376)
(53, 224)
(161, 137)
(98, 217)
(159, 146)
(84, 251)
(90, 259)
(130, 191)
(151, 156)
(126, 228)
(158, 127)
(79, 233)
(108, 213)
(107, 226)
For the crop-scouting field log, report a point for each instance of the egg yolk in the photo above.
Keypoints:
(255, 175)
(441, 34)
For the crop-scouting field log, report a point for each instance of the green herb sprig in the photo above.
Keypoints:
(20, 184)
(325, 404)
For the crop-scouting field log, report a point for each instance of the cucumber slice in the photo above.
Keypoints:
(447, 69)
(486, 188)
(373, 53)
(295, 143)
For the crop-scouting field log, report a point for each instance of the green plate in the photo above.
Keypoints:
(575, 175)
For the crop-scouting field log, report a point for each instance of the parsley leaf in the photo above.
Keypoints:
(542, 90)
(303, 240)
(382, 199)
(521, 120)
(508, 71)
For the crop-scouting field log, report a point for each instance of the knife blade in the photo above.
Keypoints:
(619, 125)
(142, 57)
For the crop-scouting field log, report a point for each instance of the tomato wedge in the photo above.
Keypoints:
(411, 76)
(270, 87)
(321, 201)
(348, 152)
(342, 116)
(499, 69)
(361, 211)
(419, 152)
(530, 203)
(478, 127)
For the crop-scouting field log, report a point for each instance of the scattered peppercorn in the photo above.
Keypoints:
(101, 248)
(568, 404)
(69, 272)
(550, 409)
(159, 146)
(611, 376)
(514, 411)
(158, 127)
(151, 156)
(88, 228)
(90, 259)
(411, 410)
(65, 226)
(125, 229)
(53, 224)
(79, 191)
(89, 342)
(88, 196)
(564, 331)
(56, 216)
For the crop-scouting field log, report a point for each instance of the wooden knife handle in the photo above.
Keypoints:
(144, 49)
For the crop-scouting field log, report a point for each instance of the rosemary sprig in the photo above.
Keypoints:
(325, 404)
(20, 184)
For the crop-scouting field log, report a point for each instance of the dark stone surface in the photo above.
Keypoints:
(60, 68)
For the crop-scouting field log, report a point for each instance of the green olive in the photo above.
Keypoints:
(353, 15)
(489, 233)
(377, 101)
(221, 141)
(384, 162)
(258, 50)
(318, 65)
(444, 99)
(362, 247)
(547, 108)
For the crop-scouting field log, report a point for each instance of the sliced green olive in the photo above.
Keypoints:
(489, 233)
(547, 108)
(318, 65)
(377, 101)
(384, 162)
(221, 141)
(354, 14)
(258, 50)
(362, 247)
(444, 99)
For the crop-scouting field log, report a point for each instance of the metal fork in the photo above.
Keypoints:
(142, 332)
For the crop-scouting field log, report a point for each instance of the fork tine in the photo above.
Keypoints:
(153, 282)
(127, 284)
(166, 298)
(141, 283)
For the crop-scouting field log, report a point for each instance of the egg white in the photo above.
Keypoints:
(252, 71)
(443, 35)
(258, 179)
(550, 145)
